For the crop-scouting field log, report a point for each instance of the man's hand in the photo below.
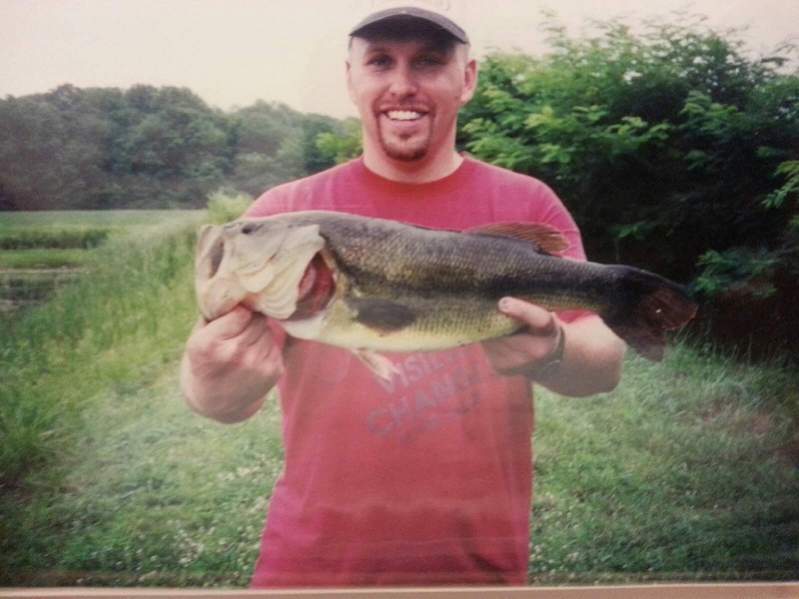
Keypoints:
(577, 358)
(537, 348)
(229, 365)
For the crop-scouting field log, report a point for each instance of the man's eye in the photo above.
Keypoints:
(379, 61)
(427, 62)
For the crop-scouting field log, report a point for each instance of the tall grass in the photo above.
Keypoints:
(23, 239)
(137, 295)
(223, 206)
(689, 470)
(42, 258)
(115, 220)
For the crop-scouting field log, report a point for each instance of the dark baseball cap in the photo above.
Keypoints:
(407, 15)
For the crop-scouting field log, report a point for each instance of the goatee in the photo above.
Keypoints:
(404, 154)
(404, 149)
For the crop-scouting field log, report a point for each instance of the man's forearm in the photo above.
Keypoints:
(591, 362)
(213, 402)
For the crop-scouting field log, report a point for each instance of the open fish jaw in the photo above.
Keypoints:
(262, 271)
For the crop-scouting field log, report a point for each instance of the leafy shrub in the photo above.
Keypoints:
(227, 205)
(664, 144)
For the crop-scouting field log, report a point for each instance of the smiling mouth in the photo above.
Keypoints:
(404, 115)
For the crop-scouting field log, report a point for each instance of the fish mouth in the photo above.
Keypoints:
(215, 255)
(267, 269)
(315, 290)
(210, 251)
(210, 255)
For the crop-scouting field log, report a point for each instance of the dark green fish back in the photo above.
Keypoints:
(384, 259)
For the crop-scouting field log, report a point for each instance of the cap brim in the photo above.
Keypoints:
(406, 17)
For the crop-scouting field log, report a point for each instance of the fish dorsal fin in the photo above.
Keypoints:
(545, 238)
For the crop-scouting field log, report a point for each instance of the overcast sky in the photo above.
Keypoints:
(234, 52)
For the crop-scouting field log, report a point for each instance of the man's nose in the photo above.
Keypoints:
(403, 82)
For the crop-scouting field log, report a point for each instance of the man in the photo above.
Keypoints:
(425, 479)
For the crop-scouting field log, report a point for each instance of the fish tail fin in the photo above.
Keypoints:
(645, 307)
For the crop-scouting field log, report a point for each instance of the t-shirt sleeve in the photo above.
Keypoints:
(550, 210)
(272, 201)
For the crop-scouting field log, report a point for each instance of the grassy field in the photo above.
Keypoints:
(42, 258)
(59, 220)
(39, 251)
(688, 471)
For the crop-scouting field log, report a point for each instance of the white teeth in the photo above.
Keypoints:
(404, 115)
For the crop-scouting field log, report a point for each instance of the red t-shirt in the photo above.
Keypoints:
(424, 480)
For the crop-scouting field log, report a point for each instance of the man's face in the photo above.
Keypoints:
(408, 93)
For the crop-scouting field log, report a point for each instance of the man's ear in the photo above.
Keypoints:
(350, 91)
(469, 81)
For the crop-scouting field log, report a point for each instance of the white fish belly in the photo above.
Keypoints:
(335, 326)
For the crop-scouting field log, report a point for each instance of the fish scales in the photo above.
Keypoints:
(442, 263)
(451, 281)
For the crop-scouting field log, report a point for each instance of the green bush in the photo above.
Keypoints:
(665, 144)
(227, 205)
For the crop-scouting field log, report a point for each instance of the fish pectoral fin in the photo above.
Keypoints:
(546, 238)
(380, 365)
(382, 315)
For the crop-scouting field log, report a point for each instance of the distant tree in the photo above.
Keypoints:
(104, 148)
(277, 144)
(51, 149)
(268, 151)
(172, 140)
(343, 144)
(313, 126)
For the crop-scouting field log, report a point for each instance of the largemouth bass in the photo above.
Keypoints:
(374, 285)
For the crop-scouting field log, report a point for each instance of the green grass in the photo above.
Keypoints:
(39, 258)
(78, 229)
(153, 495)
(678, 475)
(53, 242)
(81, 219)
(24, 239)
(89, 390)
(688, 471)
(138, 291)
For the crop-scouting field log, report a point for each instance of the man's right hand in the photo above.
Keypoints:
(229, 365)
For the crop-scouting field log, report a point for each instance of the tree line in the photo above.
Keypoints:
(147, 147)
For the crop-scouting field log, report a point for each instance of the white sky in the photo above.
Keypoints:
(234, 52)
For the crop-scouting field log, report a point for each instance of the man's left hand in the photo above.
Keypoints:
(537, 348)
